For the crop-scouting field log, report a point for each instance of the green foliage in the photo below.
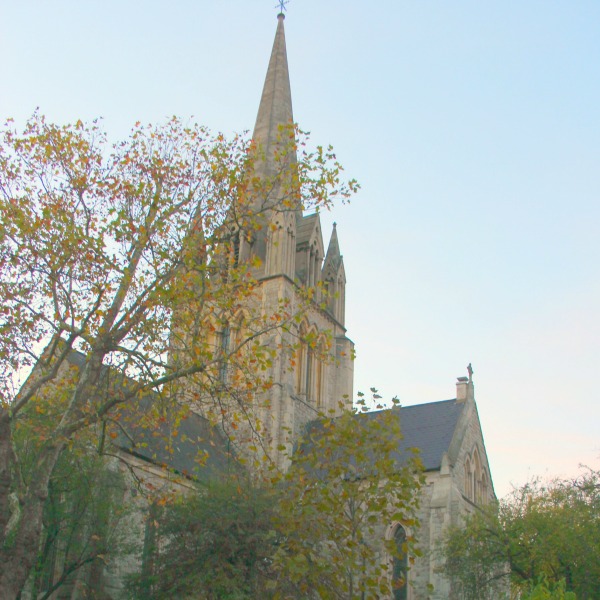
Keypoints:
(84, 520)
(345, 488)
(541, 534)
(214, 544)
(474, 558)
(547, 591)
(321, 529)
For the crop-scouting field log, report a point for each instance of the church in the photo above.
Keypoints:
(290, 256)
(447, 433)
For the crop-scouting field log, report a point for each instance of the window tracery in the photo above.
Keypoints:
(476, 479)
(311, 365)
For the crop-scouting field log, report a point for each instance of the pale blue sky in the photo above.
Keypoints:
(474, 129)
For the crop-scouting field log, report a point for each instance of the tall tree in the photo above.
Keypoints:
(100, 250)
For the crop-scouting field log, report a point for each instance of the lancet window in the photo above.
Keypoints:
(301, 360)
(225, 339)
(400, 565)
(476, 479)
(311, 367)
(468, 478)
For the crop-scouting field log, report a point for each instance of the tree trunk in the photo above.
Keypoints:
(17, 559)
(7, 461)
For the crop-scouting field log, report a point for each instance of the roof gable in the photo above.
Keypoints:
(308, 229)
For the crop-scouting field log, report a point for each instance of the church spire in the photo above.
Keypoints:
(333, 257)
(275, 108)
(334, 278)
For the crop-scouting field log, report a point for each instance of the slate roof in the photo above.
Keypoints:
(428, 427)
(182, 446)
(189, 445)
(76, 358)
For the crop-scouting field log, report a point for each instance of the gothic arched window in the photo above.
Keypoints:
(400, 565)
(321, 372)
(319, 382)
(476, 477)
(484, 487)
(309, 374)
(236, 249)
(468, 479)
(238, 351)
(301, 360)
(225, 341)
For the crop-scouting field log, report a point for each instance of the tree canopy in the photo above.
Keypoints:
(109, 253)
(544, 538)
(216, 543)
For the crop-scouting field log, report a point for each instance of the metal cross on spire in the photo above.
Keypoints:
(282, 6)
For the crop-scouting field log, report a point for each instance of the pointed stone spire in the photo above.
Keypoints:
(276, 102)
(333, 256)
(334, 278)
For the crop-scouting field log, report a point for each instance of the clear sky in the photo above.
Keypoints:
(474, 129)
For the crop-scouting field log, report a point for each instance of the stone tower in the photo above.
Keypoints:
(293, 257)
(312, 369)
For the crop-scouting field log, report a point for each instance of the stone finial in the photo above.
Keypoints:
(333, 256)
